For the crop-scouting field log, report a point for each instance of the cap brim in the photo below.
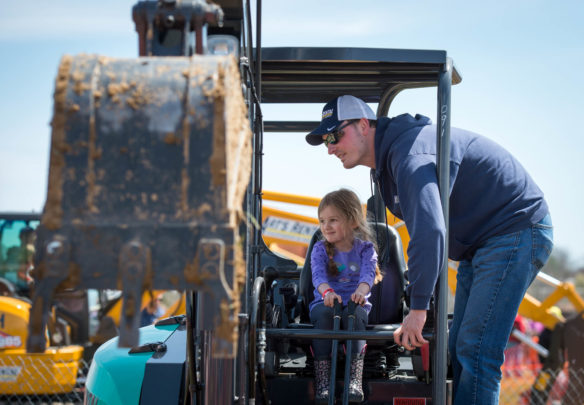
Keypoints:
(314, 140)
(315, 137)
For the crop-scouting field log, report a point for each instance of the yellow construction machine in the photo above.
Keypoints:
(77, 323)
(55, 370)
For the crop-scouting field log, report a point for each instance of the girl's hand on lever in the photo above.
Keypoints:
(329, 295)
(358, 297)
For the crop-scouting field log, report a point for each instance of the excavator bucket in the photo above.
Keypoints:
(150, 161)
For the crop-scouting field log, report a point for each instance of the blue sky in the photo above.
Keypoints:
(521, 64)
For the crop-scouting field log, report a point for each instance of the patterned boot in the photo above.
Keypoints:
(322, 370)
(356, 383)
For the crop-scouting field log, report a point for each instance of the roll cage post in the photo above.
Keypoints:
(443, 168)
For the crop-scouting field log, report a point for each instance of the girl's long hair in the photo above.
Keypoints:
(349, 206)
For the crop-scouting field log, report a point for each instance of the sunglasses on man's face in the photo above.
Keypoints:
(334, 137)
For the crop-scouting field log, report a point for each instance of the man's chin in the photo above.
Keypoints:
(348, 165)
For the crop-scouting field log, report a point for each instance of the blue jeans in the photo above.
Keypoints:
(321, 317)
(489, 289)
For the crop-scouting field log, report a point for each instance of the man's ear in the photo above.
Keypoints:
(363, 125)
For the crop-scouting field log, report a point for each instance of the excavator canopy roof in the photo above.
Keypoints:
(317, 75)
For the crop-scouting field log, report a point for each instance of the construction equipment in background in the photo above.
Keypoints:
(562, 338)
(54, 371)
(77, 323)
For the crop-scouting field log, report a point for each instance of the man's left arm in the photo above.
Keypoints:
(421, 205)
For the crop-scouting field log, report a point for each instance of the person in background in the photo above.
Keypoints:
(20, 261)
(151, 312)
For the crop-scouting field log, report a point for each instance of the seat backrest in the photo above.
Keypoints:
(387, 296)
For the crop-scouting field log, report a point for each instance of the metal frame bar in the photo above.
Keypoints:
(309, 334)
(443, 168)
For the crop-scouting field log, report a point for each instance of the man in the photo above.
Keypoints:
(500, 229)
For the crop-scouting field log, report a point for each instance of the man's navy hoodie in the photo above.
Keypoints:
(490, 194)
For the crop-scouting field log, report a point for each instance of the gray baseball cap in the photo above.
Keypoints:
(335, 112)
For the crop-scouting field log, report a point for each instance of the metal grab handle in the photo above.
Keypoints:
(337, 311)
(351, 307)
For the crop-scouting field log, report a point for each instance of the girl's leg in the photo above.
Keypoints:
(321, 317)
(357, 354)
(360, 324)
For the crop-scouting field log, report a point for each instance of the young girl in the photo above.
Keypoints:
(344, 267)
